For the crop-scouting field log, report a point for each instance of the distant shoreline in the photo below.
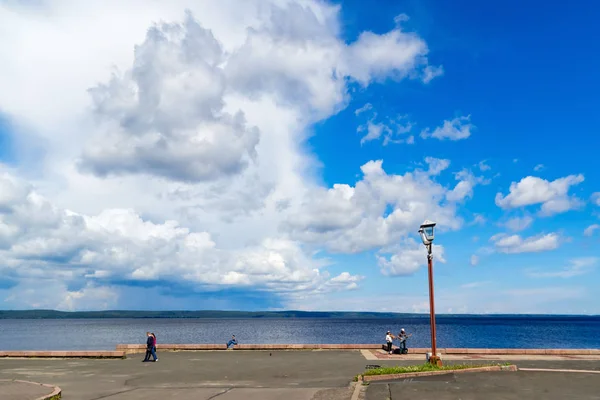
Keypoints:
(206, 314)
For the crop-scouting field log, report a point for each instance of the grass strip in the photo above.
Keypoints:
(424, 368)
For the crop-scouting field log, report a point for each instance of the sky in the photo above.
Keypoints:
(281, 154)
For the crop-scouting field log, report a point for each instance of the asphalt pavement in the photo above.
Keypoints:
(491, 386)
(289, 375)
(227, 375)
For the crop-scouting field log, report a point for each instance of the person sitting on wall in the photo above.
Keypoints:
(233, 341)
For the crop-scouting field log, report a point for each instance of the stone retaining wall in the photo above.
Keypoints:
(138, 348)
(123, 349)
(62, 354)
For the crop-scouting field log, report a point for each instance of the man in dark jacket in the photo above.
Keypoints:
(149, 346)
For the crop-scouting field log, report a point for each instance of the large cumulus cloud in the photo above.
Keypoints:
(187, 164)
(41, 241)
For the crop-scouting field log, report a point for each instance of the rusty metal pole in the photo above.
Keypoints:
(434, 359)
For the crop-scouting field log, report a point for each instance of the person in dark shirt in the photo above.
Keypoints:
(233, 341)
(402, 336)
(149, 346)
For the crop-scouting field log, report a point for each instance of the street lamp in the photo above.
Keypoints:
(427, 236)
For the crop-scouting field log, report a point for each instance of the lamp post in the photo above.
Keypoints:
(427, 236)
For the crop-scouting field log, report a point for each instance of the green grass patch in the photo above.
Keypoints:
(424, 368)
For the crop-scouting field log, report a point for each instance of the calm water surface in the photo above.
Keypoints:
(452, 331)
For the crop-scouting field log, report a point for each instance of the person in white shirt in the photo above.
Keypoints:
(389, 339)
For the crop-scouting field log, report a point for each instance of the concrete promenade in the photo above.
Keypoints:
(291, 375)
(23, 390)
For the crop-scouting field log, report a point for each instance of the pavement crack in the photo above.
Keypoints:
(114, 394)
(219, 394)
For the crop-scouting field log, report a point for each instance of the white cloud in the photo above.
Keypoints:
(437, 165)
(516, 244)
(589, 231)
(539, 167)
(464, 188)
(54, 294)
(393, 130)
(473, 285)
(373, 57)
(431, 72)
(346, 281)
(552, 195)
(166, 115)
(474, 260)
(407, 258)
(483, 166)
(363, 109)
(536, 300)
(377, 211)
(479, 220)
(48, 243)
(458, 128)
(596, 198)
(374, 131)
(193, 132)
(576, 267)
(519, 223)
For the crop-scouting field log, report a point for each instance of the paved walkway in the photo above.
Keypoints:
(18, 390)
(197, 375)
(289, 375)
(491, 386)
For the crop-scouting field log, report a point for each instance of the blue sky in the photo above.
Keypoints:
(526, 74)
(289, 165)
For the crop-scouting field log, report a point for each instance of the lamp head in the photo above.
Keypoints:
(426, 232)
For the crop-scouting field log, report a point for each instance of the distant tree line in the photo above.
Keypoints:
(406, 317)
(52, 314)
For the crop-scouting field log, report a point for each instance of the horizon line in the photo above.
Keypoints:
(289, 311)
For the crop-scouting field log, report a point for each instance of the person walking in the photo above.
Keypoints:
(389, 339)
(153, 348)
(233, 341)
(149, 345)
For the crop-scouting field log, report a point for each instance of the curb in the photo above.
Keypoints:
(371, 378)
(576, 371)
(140, 348)
(56, 391)
(63, 354)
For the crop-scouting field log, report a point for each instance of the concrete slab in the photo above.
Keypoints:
(16, 390)
(491, 386)
(194, 374)
(170, 393)
(268, 394)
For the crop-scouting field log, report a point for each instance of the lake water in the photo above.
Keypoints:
(452, 331)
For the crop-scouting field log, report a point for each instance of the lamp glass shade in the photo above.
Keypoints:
(428, 231)
(424, 237)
